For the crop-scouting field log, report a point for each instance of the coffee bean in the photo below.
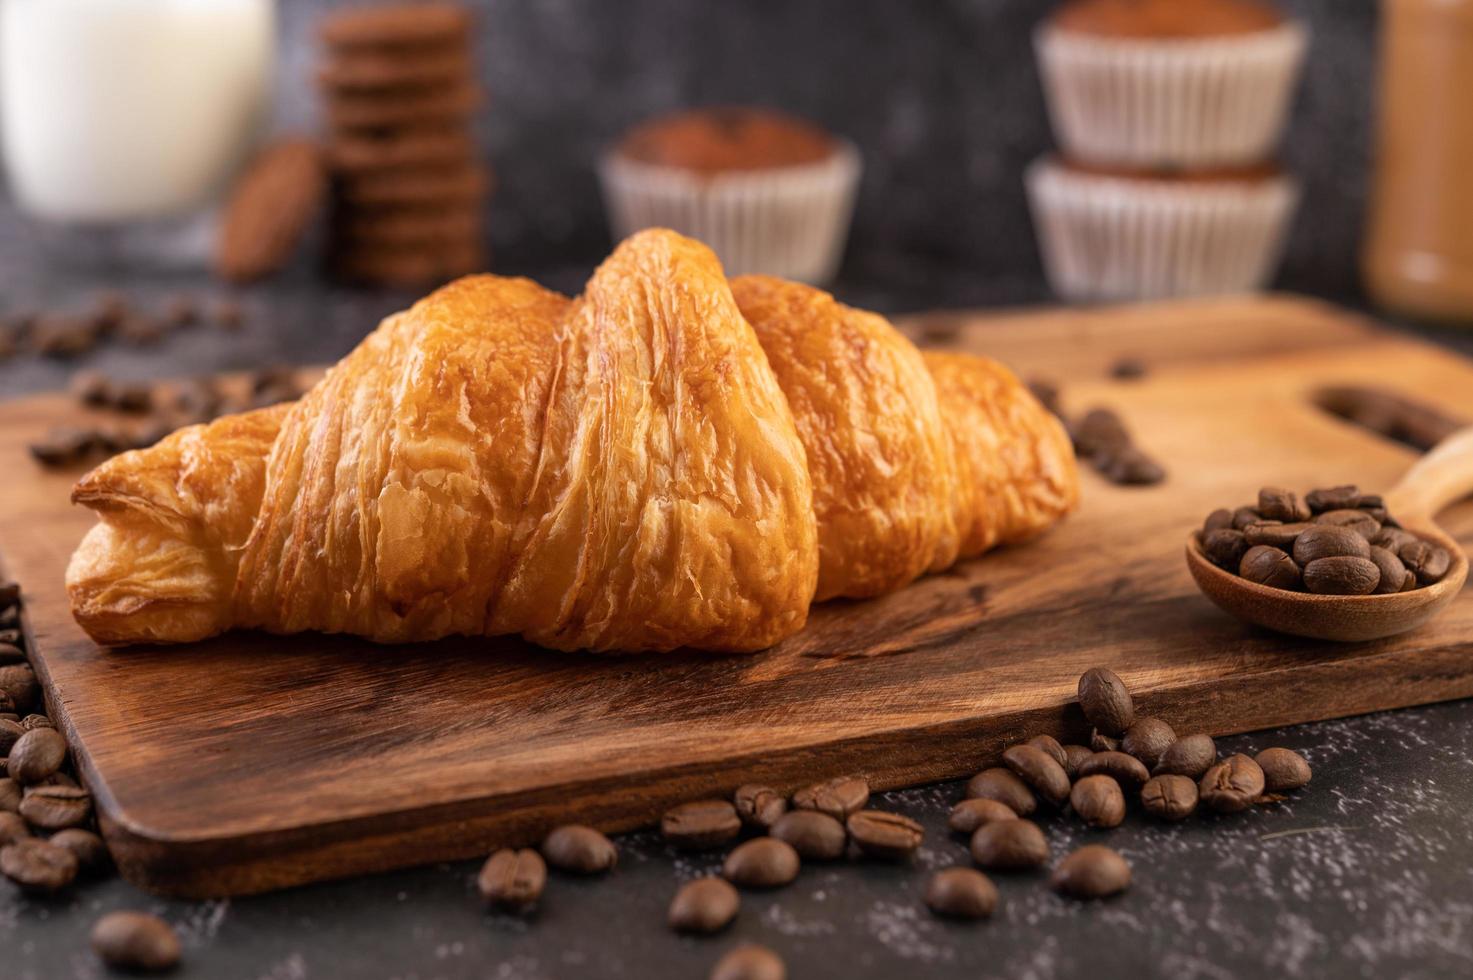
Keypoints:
(1009, 845)
(9, 594)
(512, 880)
(1147, 739)
(1004, 787)
(1341, 575)
(1329, 541)
(1225, 548)
(10, 733)
(10, 795)
(759, 806)
(1106, 701)
(56, 807)
(1278, 504)
(1100, 742)
(1392, 539)
(64, 446)
(1190, 756)
(961, 893)
(891, 836)
(1274, 533)
(1352, 520)
(704, 905)
(1283, 770)
(836, 797)
(1243, 516)
(89, 850)
(1126, 770)
(10, 654)
(38, 866)
(10, 637)
(1100, 432)
(750, 962)
(55, 779)
(701, 824)
(1039, 770)
(579, 849)
(36, 755)
(1269, 566)
(1232, 784)
(18, 681)
(1218, 520)
(12, 828)
(968, 815)
(1393, 572)
(762, 862)
(135, 942)
(1074, 756)
(815, 836)
(1332, 498)
(1427, 561)
(36, 721)
(1169, 797)
(1051, 745)
(1130, 467)
(1098, 801)
(1093, 871)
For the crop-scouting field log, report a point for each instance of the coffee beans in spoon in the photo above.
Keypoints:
(1335, 541)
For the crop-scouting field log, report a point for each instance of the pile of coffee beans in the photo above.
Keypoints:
(1102, 439)
(1332, 541)
(112, 317)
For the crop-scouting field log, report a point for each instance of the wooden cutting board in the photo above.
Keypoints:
(252, 762)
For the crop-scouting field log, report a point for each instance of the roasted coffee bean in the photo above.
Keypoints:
(10, 733)
(815, 836)
(61, 336)
(1128, 369)
(1393, 572)
(135, 942)
(1169, 796)
(56, 807)
(1106, 701)
(1232, 784)
(9, 594)
(30, 722)
(1341, 575)
(181, 311)
(1093, 871)
(1329, 541)
(1050, 745)
(1191, 755)
(1274, 533)
(1147, 739)
(10, 795)
(38, 866)
(1269, 566)
(1332, 498)
(1352, 520)
(512, 880)
(132, 398)
(12, 828)
(961, 893)
(1125, 769)
(89, 850)
(579, 849)
(1100, 742)
(891, 836)
(1046, 391)
(700, 824)
(63, 447)
(836, 797)
(139, 330)
(55, 779)
(10, 654)
(1098, 801)
(1009, 845)
(10, 637)
(759, 806)
(1283, 770)
(1040, 771)
(91, 388)
(1278, 504)
(1100, 432)
(1130, 467)
(750, 962)
(762, 862)
(1243, 516)
(968, 815)
(704, 905)
(1220, 519)
(1224, 548)
(1392, 539)
(1074, 756)
(36, 755)
(1004, 787)
(1427, 561)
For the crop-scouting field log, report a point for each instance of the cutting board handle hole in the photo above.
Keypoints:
(1388, 413)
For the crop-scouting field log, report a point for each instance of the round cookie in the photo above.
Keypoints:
(270, 209)
(374, 70)
(408, 228)
(392, 25)
(380, 110)
(362, 153)
(418, 188)
(409, 267)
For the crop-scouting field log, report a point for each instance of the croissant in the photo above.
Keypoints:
(669, 460)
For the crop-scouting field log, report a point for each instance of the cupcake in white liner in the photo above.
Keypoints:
(1152, 83)
(769, 194)
(1112, 236)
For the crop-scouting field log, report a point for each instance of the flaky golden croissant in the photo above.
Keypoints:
(668, 460)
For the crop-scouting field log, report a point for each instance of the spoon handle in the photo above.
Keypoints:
(1443, 476)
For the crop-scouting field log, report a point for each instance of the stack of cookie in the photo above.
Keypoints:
(409, 190)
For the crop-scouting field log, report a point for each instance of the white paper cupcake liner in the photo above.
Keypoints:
(1153, 103)
(790, 222)
(1113, 238)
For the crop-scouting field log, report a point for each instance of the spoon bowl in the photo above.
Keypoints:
(1441, 477)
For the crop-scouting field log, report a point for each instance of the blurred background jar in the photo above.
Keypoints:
(123, 120)
(1418, 255)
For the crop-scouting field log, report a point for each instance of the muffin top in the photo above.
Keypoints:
(722, 138)
(1248, 174)
(1174, 19)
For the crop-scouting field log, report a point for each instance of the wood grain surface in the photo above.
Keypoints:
(252, 762)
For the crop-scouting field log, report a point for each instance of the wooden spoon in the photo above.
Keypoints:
(1442, 477)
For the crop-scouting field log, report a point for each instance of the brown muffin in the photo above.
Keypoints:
(718, 139)
(1158, 19)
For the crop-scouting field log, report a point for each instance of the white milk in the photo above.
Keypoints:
(119, 110)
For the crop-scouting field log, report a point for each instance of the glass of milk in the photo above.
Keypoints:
(126, 114)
